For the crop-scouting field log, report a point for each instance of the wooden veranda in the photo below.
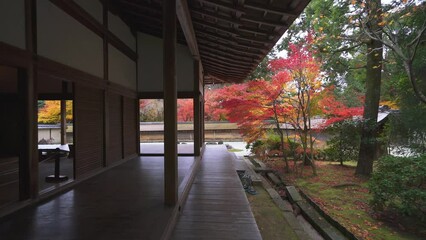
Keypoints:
(104, 56)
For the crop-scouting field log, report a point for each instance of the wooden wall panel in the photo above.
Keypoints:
(10, 143)
(9, 180)
(115, 128)
(88, 114)
(130, 132)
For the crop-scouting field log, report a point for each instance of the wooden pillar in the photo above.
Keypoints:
(106, 139)
(202, 109)
(64, 113)
(170, 103)
(27, 91)
(197, 109)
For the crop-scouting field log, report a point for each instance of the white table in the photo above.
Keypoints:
(57, 150)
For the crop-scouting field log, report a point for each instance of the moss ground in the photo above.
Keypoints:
(345, 197)
(269, 218)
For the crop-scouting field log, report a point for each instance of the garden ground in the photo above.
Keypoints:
(269, 218)
(346, 198)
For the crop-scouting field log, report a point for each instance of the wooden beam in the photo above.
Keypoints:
(229, 57)
(225, 74)
(228, 40)
(256, 40)
(182, 11)
(226, 66)
(269, 34)
(79, 14)
(221, 52)
(234, 32)
(140, 6)
(216, 16)
(265, 22)
(225, 58)
(224, 61)
(152, 17)
(271, 9)
(170, 103)
(55, 70)
(13, 56)
(222, 5)
(229, 48)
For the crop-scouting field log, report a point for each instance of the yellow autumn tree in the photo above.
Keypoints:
(51, 112)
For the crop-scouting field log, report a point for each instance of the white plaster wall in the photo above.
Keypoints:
(49, 133)
(121, 69)
(185, 69)
(93, 7)
(63, 39)
(12, 22)
(150, 65)
(121, 30)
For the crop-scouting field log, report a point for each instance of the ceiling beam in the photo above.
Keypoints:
(265, 22)
(184, 16)
(270, 9)
(235, 32)
(226, 54)
(216, 16)
(215, 69)
(234, 35)
(227, 62)
(224, 75)
(229, 48)
(140, 6)
(222, 5)
(229, 40)
(224, 66)
(215, 61)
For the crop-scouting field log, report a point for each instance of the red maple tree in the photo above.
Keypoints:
(293, 97)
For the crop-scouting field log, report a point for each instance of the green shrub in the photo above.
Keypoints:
(256, 147)
(345, 142)
(399, 183)
(273, 141)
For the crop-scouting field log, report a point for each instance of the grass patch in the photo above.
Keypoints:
(346, 198)
(346, 163)
(269, 218)
(235, 150)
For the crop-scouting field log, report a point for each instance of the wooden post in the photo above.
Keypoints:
(106, 114)
(170, 103)
(202, 121)
(27, 87)
(197, 110)
(64, 114)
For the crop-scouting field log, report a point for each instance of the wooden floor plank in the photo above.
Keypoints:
(216, 207)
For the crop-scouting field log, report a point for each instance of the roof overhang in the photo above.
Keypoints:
(230, 37)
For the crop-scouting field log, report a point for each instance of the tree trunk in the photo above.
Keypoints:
(367, 151)
(280, 131)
